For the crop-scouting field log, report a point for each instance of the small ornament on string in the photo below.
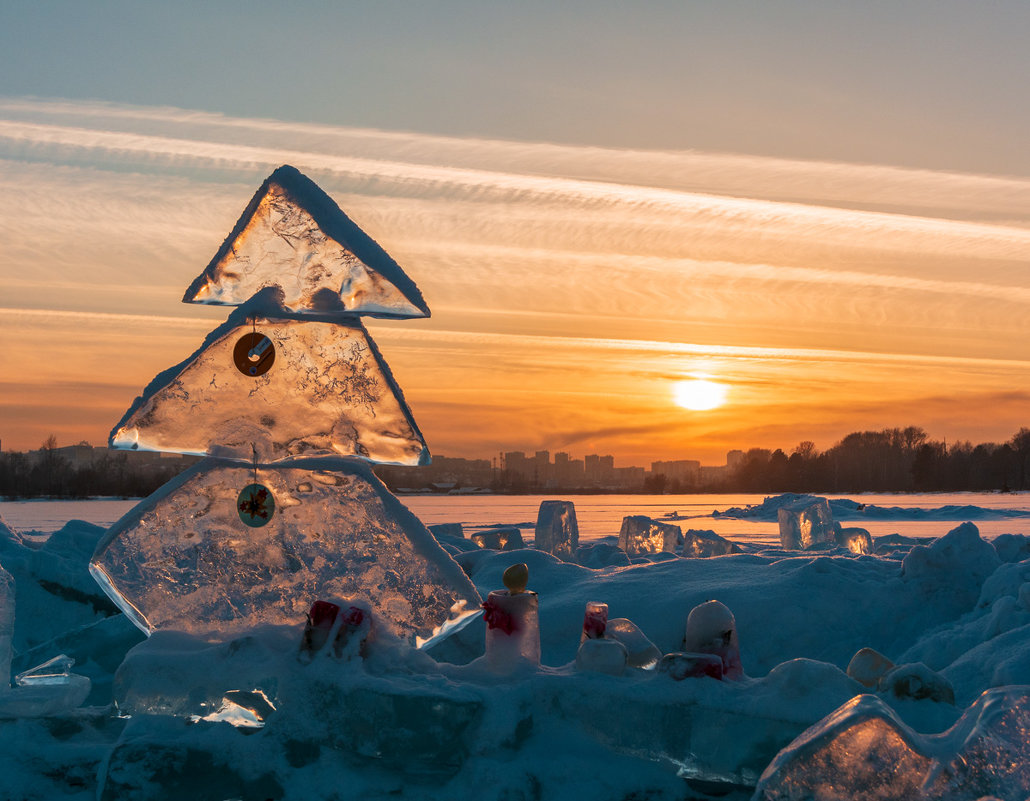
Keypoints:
(254, 353)
(255, 503)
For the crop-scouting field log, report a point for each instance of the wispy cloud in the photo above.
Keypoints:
(569, 285)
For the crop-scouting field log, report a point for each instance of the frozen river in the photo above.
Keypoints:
(921, 515)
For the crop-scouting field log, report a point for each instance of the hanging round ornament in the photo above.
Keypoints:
(254, 354)
(256, 505)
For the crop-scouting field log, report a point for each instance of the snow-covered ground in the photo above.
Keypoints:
(953, 613)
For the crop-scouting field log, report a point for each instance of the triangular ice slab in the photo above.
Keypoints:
(184, 558)
(293, 236)
(268, 388)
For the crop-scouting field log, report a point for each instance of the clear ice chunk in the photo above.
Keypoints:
(806, 523)
(293, 236)
(863, 752)
(857, 540)
(703, 543)
(602, 656)
(557, 531)
(327, 392)
(52, 672)
(183, 558)
(642, 535)
(641, 652)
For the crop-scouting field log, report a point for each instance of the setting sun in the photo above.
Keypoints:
(699, 395)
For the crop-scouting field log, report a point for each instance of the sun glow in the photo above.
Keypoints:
(699, 395)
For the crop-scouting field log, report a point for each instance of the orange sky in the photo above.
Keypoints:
(571, 287)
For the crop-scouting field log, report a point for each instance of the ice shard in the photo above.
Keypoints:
(267, 388)
(185, 559)
(864, 752)
(293, 236)
(640, 534)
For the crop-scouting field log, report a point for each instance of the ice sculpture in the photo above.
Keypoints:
(595, 621)
(702, 543)
(293, 236)
(712, 629)
(640, 534)
(512, 623)
(181, 559)
(863, 752)
(326, 391)
(806, 523)
(557, 531)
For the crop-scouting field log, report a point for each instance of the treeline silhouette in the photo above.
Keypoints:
(47, 473)
(891, 460)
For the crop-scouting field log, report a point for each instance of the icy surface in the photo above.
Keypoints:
(557, 532)
(806, 523)
(293, 236)
(640, 535)
(328, 392)
(6, 625)
(602, 656)
(863, 751)
(183, 559)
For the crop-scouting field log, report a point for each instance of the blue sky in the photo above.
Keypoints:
(937, 84)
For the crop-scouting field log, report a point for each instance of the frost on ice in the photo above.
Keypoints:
(293, 236)
(182, 559)
(327, 391)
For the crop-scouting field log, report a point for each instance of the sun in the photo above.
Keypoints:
(699, 395)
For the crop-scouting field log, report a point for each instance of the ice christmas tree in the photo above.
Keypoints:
(290, 400)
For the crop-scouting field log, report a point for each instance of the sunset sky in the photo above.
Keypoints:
(823, 206)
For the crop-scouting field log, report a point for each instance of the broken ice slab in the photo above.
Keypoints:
(327, 392)
(806, 523)
(640, 534)
(987, 752)
(557, 531)
(6, 625)
(52, 672)
(293, 236)
(183, 558)
(702, 543)
(48, 689)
